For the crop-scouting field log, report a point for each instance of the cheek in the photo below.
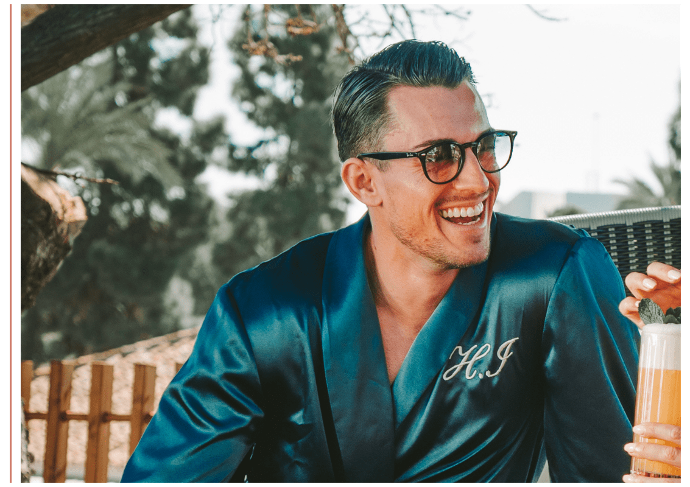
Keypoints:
(495, 181)
(409, 196)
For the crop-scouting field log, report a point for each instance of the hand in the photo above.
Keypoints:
(661, 284)
(653, 451)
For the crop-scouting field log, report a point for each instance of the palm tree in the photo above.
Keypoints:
(641, 194)
(74, 119)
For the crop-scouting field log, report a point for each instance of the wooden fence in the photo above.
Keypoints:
(99, 416)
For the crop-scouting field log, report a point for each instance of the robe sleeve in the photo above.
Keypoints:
(207, 419)
(590, 366)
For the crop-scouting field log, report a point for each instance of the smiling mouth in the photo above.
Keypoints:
(463, 215)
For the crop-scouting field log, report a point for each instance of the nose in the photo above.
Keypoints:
(472, 177)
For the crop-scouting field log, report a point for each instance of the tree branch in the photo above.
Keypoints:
(74, 177)
(51, 220)
(538, 13)
(67, 34)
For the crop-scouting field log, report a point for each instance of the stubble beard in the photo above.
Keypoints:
(434, 251)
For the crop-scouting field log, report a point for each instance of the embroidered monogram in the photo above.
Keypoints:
(502, 354)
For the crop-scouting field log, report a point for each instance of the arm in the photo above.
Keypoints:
(590, 367)
(208, 417)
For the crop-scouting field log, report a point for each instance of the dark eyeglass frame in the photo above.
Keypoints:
(421, 155)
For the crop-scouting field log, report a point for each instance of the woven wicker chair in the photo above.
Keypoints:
(634, 238)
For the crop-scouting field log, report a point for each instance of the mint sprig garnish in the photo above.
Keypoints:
(672, 315)
(650, 312)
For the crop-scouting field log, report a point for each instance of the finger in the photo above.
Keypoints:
(632, 478)
(629, 308)
(663, 272)
(652, 451)
(662, 292)
(660, 431)
(640, 285)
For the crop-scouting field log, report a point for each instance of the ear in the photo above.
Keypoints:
(360, 179)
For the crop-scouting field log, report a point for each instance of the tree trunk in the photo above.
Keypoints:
(51, 219)
(67, 34)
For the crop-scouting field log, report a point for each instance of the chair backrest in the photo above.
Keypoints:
(634, 238)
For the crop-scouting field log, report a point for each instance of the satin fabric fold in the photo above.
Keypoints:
(526, 357)
(355, 363)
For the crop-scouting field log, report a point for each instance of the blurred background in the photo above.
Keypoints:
(215, 124)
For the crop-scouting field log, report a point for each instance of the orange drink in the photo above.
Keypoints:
(658, 391)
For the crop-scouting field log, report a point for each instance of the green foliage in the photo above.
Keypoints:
(642, 195)
(71, 115)
(650, 313)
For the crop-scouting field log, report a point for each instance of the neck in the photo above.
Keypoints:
(409, 289)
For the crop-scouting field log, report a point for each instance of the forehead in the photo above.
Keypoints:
(419, 115)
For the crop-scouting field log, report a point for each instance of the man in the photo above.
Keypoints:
(433, 340)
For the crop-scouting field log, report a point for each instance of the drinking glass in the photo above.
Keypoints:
(658, 391)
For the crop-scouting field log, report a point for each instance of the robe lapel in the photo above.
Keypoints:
(354, 361)
(439, 336)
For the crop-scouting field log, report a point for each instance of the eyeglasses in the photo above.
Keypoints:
(443, 162)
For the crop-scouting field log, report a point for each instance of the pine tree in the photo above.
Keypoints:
(302, 193)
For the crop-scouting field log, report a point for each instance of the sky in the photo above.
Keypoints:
(590, 95)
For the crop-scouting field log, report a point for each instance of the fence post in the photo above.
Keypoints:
(55, 459)
(97, 446)
(27, 376)
(143, 392)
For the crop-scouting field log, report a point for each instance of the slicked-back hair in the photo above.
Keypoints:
(360, 112)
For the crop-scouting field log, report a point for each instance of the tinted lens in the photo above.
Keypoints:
(442, 162)
(494, 151)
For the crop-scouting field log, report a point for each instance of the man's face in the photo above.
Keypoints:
(412, 207)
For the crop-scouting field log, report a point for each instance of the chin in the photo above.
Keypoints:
(459, 258)
(469, 260)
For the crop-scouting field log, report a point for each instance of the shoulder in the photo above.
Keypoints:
(539, 245)
(297, 270)
(536, 232)
(524, 237)
(532, 261)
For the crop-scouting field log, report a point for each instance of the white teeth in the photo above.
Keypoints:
(463, 212)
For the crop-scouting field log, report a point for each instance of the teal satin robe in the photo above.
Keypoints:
(526, 357)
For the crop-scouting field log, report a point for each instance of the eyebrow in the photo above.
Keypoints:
(428, 143)
(431, 142)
